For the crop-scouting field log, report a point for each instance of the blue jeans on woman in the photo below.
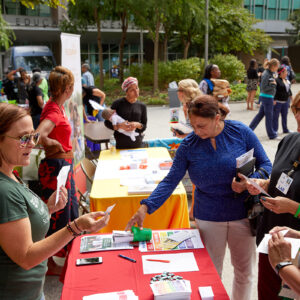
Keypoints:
(265, 110)
(281, 108)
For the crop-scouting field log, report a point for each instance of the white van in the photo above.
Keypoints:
(29, 57)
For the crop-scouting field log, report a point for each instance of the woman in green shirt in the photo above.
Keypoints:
(24, 218)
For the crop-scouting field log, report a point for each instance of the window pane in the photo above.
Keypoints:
(296, 4)
(271, 14)
(45, 11)
(259, 12)
(284, 14)
(247, 2)
(273, 3)
(10, 7)
(259, 2)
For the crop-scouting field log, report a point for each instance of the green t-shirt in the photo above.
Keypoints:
(18, 202)
(44, 87)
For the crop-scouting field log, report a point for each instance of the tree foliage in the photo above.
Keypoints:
(7, 36)
(51, 3)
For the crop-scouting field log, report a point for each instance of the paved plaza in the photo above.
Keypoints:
(158, 127)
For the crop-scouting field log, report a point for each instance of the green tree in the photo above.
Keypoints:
(51, 3)
(231, 29)
(121, 11)
(7, 35)
(149, 15)
(294, 18)
(189, 22)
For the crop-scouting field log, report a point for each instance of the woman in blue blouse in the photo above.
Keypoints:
(209, 154)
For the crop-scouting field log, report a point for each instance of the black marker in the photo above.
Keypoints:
(128, 258)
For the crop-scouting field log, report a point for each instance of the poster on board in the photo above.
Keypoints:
(70, 58)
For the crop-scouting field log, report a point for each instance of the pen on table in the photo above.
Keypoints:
(128, 258)
(158, 260)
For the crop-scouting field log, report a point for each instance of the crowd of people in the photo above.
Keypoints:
(35, 228)
(275, 81)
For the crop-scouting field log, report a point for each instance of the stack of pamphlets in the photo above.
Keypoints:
(171, 290)
(120, 236)
(122, 295)
(91, 243)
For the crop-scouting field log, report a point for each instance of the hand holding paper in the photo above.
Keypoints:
(254, 184)
(61, 180)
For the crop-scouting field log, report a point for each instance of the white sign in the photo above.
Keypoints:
(70, 58)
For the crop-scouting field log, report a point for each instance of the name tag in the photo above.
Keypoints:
(284, 183)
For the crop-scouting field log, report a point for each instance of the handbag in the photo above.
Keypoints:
(254, 207)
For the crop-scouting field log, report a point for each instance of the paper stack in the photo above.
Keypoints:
(122, 295)
(171, 290)
(120, 236)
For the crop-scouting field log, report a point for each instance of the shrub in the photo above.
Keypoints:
(239, 92)
(169, 71)
(231, 67)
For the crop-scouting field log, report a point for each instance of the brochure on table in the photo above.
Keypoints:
(122, 295)
(92, 243)
(161, 240)
(135, 170)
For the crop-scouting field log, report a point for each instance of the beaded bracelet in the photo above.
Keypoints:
(77, 226)
(71, 230)
(297, 212)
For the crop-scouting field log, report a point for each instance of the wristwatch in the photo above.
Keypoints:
(282, 265)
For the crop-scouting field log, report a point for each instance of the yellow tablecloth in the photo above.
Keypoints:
(105, 192)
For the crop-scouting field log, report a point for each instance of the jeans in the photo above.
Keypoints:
(265, 110)
(280, 108)
(236, 234)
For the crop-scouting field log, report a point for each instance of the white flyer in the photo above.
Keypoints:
(244, 158)
(110, 208)
(253, 183)
(96, 105)
(61, 180)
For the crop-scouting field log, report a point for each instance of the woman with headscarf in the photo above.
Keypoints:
(133, 111)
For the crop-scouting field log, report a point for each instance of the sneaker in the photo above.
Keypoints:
(289, 131)
(276, 138)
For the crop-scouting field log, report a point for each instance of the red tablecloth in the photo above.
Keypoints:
(117, 274)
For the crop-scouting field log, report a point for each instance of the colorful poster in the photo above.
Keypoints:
(161, 241)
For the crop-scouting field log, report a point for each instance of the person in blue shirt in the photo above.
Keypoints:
(209, 155)
(87, 77)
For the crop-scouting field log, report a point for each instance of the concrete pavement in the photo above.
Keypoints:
(158, 127)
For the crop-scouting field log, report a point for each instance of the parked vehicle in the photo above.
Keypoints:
(29, 57)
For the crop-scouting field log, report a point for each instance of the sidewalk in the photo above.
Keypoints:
(158, 127)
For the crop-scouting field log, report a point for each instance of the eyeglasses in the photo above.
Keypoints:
(25, 139)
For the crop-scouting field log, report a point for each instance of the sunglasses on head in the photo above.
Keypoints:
(26, 138)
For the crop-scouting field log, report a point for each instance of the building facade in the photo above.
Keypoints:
(40, 26)
(274, 16)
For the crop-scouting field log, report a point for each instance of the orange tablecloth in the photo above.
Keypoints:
(105, 192)
(117, 274)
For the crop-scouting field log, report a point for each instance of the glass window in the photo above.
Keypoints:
(296, 4)
(284, 14)
(45, 11)
(259, 12)
(271, 14)
(247, 2)
(284, 4)
(114, 48)
(105, 48)
(10, 7)
(259, 2)
(273, 3)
